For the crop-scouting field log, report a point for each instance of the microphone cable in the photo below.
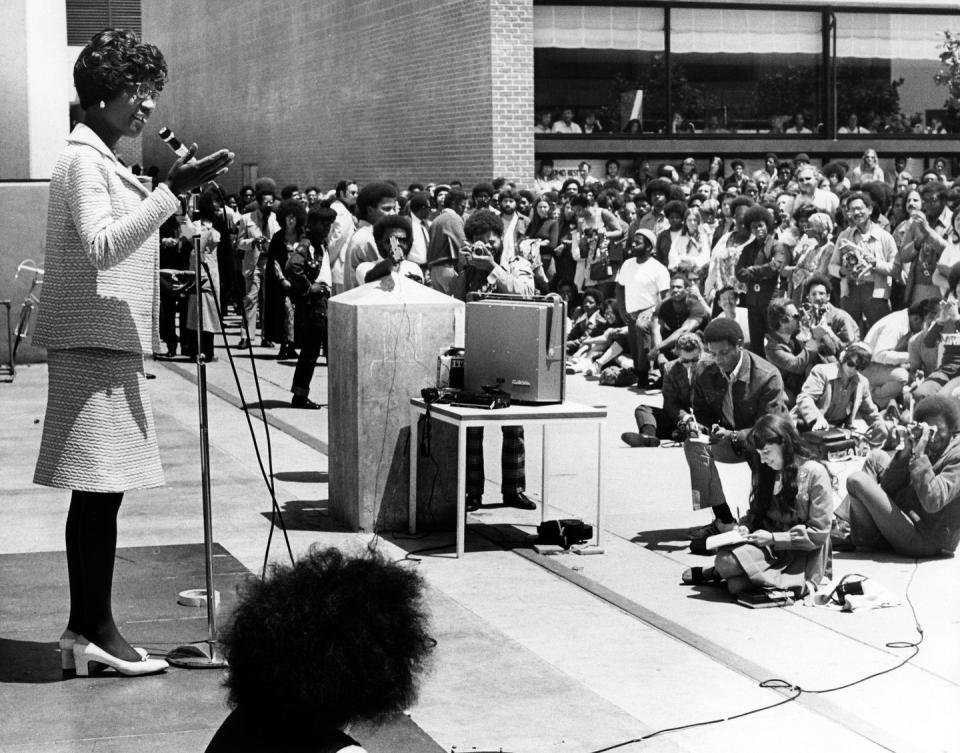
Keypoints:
(797, 690)
(266, 472)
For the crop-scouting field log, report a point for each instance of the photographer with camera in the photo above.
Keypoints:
(942, 334)
(832, 326)
(790, 346)
(910, 503)
(485, 268)
(393, 237)
(675, 420)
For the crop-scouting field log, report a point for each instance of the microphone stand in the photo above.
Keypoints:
(192, 656)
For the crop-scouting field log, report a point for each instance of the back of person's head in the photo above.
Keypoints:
(723, 330)
(319, 214)
(391, 222)
(331, 640)
(481, 222)
(689, 342)
(454, 196)
(740, 201)
(675, 207)
(419, 201)
(953, 278)
(924, 307)
(372, 194)
(943, 406)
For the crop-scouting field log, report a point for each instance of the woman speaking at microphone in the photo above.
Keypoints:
(98, 317)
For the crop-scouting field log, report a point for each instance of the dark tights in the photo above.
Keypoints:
(91, 535)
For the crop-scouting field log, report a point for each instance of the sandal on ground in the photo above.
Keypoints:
(695, 576)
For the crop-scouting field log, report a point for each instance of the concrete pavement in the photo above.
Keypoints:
(535, 653)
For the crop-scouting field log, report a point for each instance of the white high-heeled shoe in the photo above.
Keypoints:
(68, 639)
(86, 653)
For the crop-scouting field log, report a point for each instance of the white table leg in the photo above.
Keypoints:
(599, 478)
(461, 487)
(414, 451)
(545, 472)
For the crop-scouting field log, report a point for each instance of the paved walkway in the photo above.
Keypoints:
(536, 653)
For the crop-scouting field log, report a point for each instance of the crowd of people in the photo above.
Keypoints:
(768, 306)
(585, 122)
(849, 288)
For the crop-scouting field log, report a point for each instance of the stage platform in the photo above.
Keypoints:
(535, 653)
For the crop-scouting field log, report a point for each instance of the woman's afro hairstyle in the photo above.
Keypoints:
(112, 60)
(330, 640)
(292, 207)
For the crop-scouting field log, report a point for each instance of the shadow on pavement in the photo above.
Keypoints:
(302, 477)
(29, 662)
(307, 515)
(663, 540)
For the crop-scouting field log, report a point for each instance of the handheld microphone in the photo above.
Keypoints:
(173, 142)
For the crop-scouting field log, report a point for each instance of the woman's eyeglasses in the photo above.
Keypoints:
(141, 91)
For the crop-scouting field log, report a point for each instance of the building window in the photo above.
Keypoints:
(604, 64)
(87, 17)
(746, 71)
(885, 65)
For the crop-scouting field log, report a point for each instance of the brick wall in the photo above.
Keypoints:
(512, 63)
(408, 89)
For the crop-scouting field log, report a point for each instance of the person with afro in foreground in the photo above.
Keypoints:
(313, 648)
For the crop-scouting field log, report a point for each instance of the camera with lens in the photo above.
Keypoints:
(812, 314)
(686, 429)
(918, 430)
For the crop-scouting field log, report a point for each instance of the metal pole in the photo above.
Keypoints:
(191, 655)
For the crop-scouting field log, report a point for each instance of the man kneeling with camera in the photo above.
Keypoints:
(911, 503)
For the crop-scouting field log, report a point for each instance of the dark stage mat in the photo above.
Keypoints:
(40, 707)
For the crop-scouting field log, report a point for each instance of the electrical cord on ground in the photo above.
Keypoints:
(796, 689)
(277, 514)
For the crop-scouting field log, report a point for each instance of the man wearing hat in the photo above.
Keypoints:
(729, 395)
(256, 229)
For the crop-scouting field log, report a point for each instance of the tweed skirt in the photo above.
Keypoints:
(98, 431)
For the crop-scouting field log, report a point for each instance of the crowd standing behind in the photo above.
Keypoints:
(786, 300)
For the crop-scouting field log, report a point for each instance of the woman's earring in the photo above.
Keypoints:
(102, 104)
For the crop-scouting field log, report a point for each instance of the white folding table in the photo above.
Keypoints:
(466, 417)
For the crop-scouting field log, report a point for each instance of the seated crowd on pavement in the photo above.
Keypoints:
(766, 306)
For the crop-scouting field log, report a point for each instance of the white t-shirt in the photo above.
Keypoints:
(643, 283)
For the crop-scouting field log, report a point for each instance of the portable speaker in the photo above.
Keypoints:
(516, 345)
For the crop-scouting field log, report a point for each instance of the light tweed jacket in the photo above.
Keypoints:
(101, 284)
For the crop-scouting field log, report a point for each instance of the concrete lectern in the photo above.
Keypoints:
(384, 339)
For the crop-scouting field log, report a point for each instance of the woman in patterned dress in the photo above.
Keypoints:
(99, 315)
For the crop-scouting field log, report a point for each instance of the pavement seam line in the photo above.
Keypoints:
(714, 651)
(234, 400)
